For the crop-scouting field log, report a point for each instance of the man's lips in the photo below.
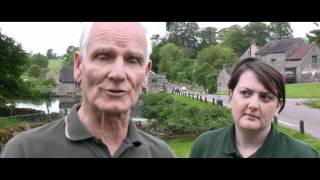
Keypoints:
(115, 92)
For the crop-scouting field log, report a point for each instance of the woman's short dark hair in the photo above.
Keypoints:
(270, 78)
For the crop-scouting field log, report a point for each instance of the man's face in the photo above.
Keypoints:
(114, 69)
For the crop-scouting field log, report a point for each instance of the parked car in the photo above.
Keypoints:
(289, 77)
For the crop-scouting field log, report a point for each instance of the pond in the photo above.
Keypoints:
(47, 105)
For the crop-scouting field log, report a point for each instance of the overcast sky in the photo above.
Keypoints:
(40, 36)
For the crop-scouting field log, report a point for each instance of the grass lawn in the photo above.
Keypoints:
(11, 122)
(314, 104)
(193, 102)
(303, 90)
(181, 146)
(54, 64)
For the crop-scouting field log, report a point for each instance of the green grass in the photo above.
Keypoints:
(11, 122)
(314, 104)
(193, 102)
(303, 90)
(54, 64)
(181, 146)
(313, 142)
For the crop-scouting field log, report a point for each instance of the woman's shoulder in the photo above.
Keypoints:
(212, 135)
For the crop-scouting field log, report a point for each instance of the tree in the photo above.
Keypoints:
(34, 71)
(209, 63)
(280, 30)
(184, 35)
(14, 61)
(314, 36)
(69, 56)
(157, 42)
(50, 54)
(257, 31)
(234, 38)
(207, 37)
(169, 55)
(40, 60)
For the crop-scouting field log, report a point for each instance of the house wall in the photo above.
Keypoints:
(222, 81)
(156, 83)
(279, 64)
(310, 72)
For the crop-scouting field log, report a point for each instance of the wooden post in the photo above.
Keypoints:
(65, 111)
(205, 100)
(201, 98)
(213, 101)
(301, 127)
(197, 97)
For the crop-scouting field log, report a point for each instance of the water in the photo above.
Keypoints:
(56, 105)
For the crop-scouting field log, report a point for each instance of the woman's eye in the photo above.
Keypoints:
(266, 98)
(245, 93)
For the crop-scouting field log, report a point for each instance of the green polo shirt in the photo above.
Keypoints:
(220, 143)
(68, 138)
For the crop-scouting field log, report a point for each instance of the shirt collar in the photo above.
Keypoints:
(265, 151)
(76, 131)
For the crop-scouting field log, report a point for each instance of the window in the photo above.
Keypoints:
(273, 61)
(314, 60)
(154, 80)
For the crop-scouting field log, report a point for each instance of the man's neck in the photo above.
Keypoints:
(248, 142)
(112, 129)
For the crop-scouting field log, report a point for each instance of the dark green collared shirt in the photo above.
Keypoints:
(68, 138)
(221, 144)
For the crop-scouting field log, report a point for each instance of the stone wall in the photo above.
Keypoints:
(156, 83)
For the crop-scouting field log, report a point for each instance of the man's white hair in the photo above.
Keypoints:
(85, 34)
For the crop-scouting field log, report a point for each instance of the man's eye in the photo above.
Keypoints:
(133, 60)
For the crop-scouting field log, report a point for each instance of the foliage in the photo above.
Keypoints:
(40, 87)
(14, 61)
(257, 31)
(314, 103)
(55, 64)
(69, 56)
(182, 118)
(280, 30)
(34, 71)
(40, 60)
(314, 36)
(209, 63)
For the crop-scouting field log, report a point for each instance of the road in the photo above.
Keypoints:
(291, 115)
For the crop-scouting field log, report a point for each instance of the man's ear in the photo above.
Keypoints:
(147, 72)
(77, 73)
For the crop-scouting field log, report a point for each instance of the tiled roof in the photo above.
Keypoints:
(300, 52)
(278, 46)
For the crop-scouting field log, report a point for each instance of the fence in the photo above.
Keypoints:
(198, 97)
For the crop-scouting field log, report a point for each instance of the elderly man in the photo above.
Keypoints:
(112, 67)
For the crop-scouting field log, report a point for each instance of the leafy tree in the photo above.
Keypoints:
(34, 71)
(208, 36)
(40, 60)
(280, 30)
(184, 34)
(69, 56)
(234, 38)
(14, 61)
(157, 43)
(50, 54)
(209, 63)
(257, 31)
(314, 36)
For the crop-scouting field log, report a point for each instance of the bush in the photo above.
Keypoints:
(34, 71)
(181, 118)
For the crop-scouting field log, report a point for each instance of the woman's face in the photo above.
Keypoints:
(253, 106)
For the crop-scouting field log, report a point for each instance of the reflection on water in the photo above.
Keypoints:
(56, 105)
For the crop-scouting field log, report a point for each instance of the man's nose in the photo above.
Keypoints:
(118, 71)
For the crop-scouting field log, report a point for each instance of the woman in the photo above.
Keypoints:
(256, 96)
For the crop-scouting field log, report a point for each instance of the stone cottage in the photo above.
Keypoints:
(223, 79)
